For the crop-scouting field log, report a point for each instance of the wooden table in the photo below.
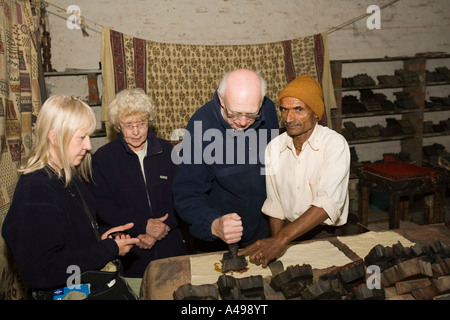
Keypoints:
(401, 179)
(162, 277)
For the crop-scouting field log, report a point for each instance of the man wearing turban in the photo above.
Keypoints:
(307, 173)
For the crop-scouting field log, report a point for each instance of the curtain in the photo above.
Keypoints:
(19, 104)
(181, 78)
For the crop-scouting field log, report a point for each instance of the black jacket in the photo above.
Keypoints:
(121, 195)
(47, 230)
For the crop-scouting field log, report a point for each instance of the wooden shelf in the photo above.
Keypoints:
(411, 144)
(74, 72)
(429, 56)
(375, 113)
(382, 139)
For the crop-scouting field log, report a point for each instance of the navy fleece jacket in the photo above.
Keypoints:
(220, 170)
(122, 195)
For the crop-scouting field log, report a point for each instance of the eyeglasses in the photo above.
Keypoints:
(130, 126)
(237, 115)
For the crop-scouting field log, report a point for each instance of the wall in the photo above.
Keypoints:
(407, 27)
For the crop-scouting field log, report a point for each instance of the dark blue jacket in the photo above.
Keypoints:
(221, 174)
(47, 230)
(121, 196)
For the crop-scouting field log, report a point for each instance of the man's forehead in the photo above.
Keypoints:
(246, 104)
(292, 102)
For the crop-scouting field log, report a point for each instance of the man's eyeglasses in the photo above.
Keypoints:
(237, 115)
(129, 126)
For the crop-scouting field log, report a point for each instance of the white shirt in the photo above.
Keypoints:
(141, 155)
(318, 176)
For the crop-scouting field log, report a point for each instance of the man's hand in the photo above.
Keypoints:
(156, 228)
(263, 251)
(228, 228)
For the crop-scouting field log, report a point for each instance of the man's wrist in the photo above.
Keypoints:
(282, 238)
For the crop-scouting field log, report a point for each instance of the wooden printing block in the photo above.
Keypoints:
(324, 290)
(413, 268)
(389, 80)
(349, 275)
(276, 266)
(401, 253)
(442, 284)
(248, 288)
(362, 292)
(389, 277)
(416, 250)
(362, 80)
(440, 249)
(251, 288)
(231, 260)
(437, 287)
(407, 76)
(293, 289)
(380, 256)
(408, 286)
(372, 106)
(228, 288)
(200, 292)
(295, 273)
(445, 71)
(441, 268)
(408, 269)
(425, 293)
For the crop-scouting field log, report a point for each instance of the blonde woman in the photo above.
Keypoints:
(47, 228)
(132, 181)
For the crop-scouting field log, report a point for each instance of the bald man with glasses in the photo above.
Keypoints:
(221, 200)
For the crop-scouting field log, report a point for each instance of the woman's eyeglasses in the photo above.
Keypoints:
(130, 126)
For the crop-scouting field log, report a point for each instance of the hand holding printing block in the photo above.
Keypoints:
(228, 228)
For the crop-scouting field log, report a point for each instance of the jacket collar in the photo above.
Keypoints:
(153, 144)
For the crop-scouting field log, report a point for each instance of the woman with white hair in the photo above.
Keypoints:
(132, 181)
(47, 228)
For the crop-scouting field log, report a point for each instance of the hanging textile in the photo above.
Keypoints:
(19, 89)
(181, 78)
(19, 103)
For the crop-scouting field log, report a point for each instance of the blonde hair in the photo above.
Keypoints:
(130, 102)
(63, 115)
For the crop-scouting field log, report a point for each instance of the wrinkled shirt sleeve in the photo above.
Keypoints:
(272, 206)
(332, 192)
